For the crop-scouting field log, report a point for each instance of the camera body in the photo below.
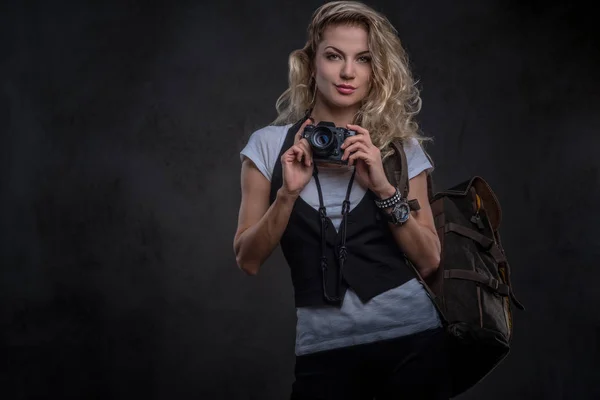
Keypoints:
(325, 140)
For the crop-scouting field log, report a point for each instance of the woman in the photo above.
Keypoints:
(366, 327)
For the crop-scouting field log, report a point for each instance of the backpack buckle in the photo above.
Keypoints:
(493, 283)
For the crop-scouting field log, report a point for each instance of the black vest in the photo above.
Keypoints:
(374, 262)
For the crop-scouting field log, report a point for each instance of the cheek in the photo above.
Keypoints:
(367, 79)
(319, 81)
(367, 73)
(324, 71)
(323, 77)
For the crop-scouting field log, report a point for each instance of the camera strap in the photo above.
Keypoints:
(324, 224)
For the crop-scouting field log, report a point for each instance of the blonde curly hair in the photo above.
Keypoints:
(393, 101)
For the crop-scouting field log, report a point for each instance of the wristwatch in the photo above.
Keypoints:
(400, 212)
(400, 209)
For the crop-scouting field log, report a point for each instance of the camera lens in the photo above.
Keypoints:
(322, 140)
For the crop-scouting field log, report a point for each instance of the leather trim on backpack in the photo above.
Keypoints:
(483, 189)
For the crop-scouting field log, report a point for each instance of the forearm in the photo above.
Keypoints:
(255, 244)
(420, 244)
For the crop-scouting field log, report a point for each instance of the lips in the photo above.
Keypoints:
(345, 89)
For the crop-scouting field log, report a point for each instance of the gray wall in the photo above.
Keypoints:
(119, 182)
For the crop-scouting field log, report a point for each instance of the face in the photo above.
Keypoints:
(343, 66)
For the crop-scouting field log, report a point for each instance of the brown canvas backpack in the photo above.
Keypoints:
(472, 288)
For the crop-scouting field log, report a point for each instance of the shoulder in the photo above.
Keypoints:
(268, 136)
(416, 158)
(411, 145)
(269, 132)
(263, 147)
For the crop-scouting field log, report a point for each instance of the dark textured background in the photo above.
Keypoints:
(121, 126)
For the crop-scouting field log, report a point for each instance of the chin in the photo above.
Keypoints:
(341, 101)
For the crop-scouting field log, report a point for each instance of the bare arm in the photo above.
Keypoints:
(260, 225)
(418, 238)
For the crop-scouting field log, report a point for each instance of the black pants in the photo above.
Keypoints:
(411, 367)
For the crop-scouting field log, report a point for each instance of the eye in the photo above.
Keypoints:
(332, 56)
(364, 59)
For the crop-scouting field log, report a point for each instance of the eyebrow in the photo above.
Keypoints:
(339, 51)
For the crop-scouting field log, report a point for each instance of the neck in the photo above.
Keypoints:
(340, 116)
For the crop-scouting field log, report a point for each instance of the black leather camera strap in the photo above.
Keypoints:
(324, 224)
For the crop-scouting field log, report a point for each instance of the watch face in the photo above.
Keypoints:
(401, 212)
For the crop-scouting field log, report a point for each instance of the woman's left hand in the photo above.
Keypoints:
(360, 151)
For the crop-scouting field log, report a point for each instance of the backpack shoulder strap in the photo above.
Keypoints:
(396, 170)
(430, 191)
(399, 168)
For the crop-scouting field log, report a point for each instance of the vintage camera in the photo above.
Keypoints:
(325, 140)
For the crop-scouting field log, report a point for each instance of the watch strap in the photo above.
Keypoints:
(394, 216)
(389, 202)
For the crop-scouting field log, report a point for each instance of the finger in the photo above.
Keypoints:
(358, 155)
(299, 152)
(353, 139)
(303, 144)
(358, 129)
(358, 146)
(293, 153)
(302, 154)
(361, 131)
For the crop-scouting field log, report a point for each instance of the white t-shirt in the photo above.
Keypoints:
(397, 312)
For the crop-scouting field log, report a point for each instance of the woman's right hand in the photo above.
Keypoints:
(297, 164)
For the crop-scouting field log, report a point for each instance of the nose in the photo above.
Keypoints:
(347, 72)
